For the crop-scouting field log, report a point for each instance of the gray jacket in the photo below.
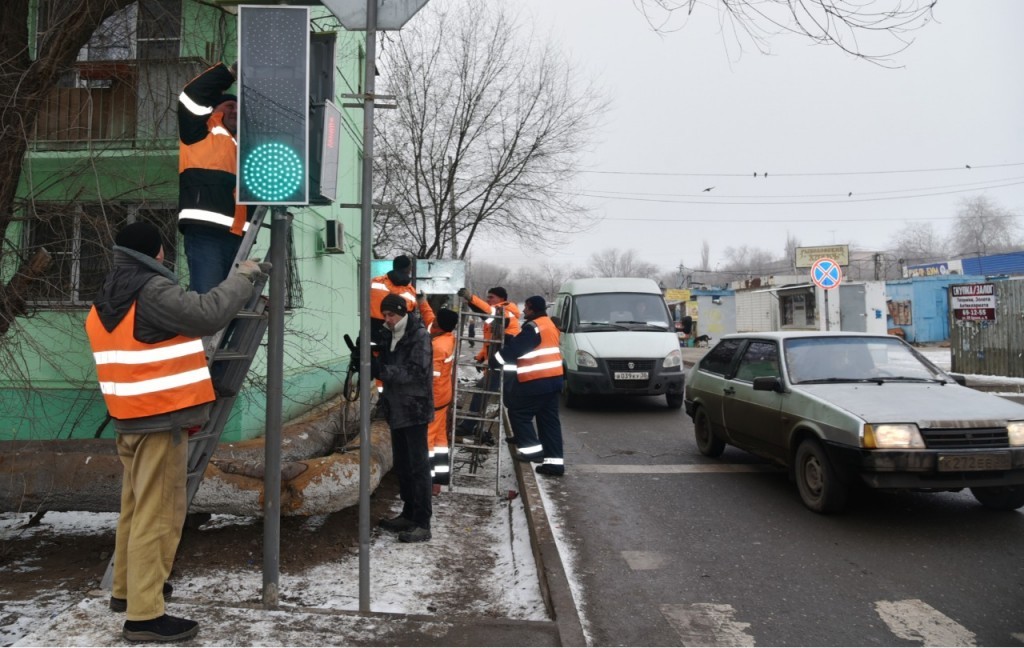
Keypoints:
(163, 310)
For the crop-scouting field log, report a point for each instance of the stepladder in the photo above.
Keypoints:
(477, 433)
(229, 354)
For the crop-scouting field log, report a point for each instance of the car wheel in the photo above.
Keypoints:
(708, 444)
(675, 401)
(999, 498)
(820, 487)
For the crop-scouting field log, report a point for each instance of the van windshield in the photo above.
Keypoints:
(621, 312)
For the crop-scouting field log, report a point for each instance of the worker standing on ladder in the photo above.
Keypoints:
(145, 333)
(442, 341)
(498, 307)
(536, 361)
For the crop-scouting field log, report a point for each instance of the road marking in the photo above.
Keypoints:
(675, 469)
(915, 620)
(645, 560)
(707, 624)
(1019, 636)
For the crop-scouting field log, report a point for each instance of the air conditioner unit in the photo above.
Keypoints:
(335, 237)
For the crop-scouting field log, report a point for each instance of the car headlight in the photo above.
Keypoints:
(584, 359)
(1015, 429)
(892, 436)
(673, 359)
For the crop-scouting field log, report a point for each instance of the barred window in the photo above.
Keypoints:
(79, 238)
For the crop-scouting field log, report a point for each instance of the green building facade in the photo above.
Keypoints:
(104, 152)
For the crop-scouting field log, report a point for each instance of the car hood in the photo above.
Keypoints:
(627, 344)
(927, 404)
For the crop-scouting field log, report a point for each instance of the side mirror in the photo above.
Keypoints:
(768, 383)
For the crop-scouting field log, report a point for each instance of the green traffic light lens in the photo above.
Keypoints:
(273, 171)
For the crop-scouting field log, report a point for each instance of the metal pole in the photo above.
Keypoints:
(365, 253)
(275, 382)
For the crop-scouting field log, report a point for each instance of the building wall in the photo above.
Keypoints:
(926, 300)
(50, 392)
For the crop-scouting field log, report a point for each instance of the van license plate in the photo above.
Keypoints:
(974, 461)
(630, 375)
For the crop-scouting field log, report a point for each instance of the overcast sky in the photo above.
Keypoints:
(852, 151)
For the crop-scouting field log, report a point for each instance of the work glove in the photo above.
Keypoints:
(374, 368)
(251, 269)
(464, 293)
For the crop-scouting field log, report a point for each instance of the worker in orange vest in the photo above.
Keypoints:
(146, 338)
(442, 341)
(398, 281)
(534, 362)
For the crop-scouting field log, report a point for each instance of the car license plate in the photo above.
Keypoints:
(630, 375)
(974, 461)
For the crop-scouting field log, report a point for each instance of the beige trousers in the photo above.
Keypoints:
(152, 516)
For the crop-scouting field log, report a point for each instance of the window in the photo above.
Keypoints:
(159, 32)
(797, 310)
(79, 238)
(146, 29)
(760, 359)
(719, 359)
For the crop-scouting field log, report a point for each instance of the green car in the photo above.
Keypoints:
(838, 409)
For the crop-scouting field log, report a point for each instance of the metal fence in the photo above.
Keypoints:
(991, 347)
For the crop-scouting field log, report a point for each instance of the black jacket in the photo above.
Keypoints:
(408, 376)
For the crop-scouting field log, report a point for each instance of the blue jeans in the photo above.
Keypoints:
(211, 253)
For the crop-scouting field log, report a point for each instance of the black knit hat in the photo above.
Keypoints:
(401, 262)
(142, 237)
(394, 304)
(537, 304)
(499, 291)
(224, 97)
(447, 319)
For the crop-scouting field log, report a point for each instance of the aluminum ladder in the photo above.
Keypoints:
(472, 462)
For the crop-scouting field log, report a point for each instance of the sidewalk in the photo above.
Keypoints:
(491, 576)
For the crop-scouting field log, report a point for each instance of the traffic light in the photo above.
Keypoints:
(273, 105)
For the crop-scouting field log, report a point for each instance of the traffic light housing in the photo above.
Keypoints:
(273, 105)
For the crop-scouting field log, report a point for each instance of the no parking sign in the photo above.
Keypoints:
(826, 274)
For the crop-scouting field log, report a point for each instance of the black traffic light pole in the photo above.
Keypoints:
(365, 255)
(275, 418)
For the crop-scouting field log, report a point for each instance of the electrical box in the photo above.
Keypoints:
(335, 237)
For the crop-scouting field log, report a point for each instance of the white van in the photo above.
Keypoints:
(618, 338)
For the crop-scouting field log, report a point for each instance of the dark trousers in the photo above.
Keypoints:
(409, 452)
(476, 404)
(523, 409)
(211, 253)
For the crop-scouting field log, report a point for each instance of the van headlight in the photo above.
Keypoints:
(673, 359)
(584, 359)
(892, 436)
(1015, 430)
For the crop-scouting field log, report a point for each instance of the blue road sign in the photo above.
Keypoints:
(826, 273)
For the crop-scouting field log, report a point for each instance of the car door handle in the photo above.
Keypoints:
(728, 391)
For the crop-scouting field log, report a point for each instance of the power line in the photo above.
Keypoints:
(966, 167)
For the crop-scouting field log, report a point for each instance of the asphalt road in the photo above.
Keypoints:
(666, 547)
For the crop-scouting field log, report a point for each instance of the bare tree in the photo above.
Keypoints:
(485, 137)
(983, 227)
(792, 243)
(26, 78)
(705, 255)
(874, 31)
(919, 243)
(614, 263)
(748, 261)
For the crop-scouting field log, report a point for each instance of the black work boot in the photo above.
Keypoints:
(551, 469)
(162, 628)
(419, 534)
(397, 524)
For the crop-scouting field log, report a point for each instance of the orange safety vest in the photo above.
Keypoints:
(214, 160)
(381, 287)
(139, 379)
(544, 361)
(509, 312)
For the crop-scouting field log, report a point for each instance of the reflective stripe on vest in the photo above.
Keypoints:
(213, 218)
(138, 379)
(545, 361)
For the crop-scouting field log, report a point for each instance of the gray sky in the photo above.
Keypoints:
(691, 111)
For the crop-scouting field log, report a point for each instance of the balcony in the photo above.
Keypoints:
(114, 104)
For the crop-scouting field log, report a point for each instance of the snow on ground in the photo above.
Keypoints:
(470, 534)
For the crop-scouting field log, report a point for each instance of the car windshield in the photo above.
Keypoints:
(855, 359)
(622, 311)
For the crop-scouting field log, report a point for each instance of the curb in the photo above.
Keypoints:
(554, 582)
